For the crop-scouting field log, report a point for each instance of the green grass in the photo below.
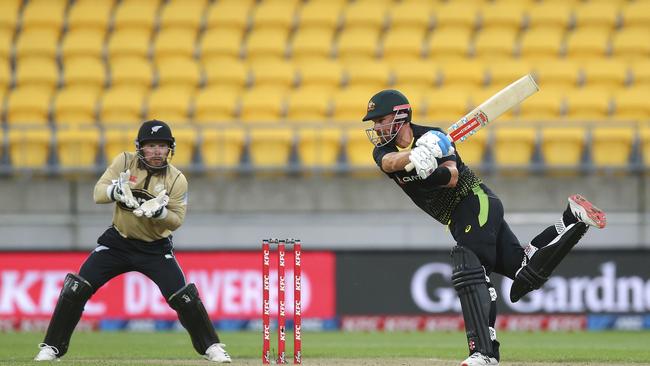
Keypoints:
(444, 348)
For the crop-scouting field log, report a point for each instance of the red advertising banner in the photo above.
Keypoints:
(230, 284)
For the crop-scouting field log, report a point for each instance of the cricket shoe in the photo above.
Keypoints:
(586, 212)
(479, 359)
(216, 353)
(47, 353)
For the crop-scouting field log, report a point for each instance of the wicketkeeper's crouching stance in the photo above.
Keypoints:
(449, 191)
(151, 200)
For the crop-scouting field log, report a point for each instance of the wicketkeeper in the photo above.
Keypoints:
(150, 198)
(450, 192)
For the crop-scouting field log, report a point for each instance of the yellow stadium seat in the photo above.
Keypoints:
(456, 15)
(545, 105)
(321, 74)
(6, 41)
(179, 72)
(262, 105)
(319, 147)
(77, 148)
(472, 151)
(226, 73)
(312, 105)
(605, 73)
(89, 17)
(597, 15)
(169, 103)
(415, 16)
(75, 106)
(174, 42)
(632, 104)
(505, 16)
(29, 148)
(562, 147)
(446, 104)
(612, 146)
(631, 44)
(496, 43)
(46, 15)
(371, 74)
(558, 74)
(403, 45)
(218, 43)
(28, 105)
(41, 72)
(222, 147)
(9, 15)
(36, 43)
(122, 105)
(216, 105)
(360, 17)
(358, 149)
(513, 147)
(3, 94)
(349, 104)
(118, 140)
(415, 75)
(641, 72)
(132, 72)
(81, 43)
(186, 142)
(636, 15)
(644, 142)
(233, 15)
(463, 74)
(270, 147)
(266, 45)
(356, 45)
(182, 15)
(128, 43)
(87, 71)
(587, 43)
(136, 15)
(274, 16)
(550, 15)
(588, 104)
(321, 17)
(311, 44)
(450, 43)
(542, 43)
(504, 72)
(280, 75)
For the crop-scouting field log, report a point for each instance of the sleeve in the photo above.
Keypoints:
(100, 193)
(379, 152)
(177, 205)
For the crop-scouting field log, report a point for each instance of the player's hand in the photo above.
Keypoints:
(437, 142)
(122, 191)
(154, 207)
(424, 161)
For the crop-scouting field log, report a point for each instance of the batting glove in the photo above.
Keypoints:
(120, 190)
(437, 142)
(424, 161)
(155, 207)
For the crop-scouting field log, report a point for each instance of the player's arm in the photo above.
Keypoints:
(453, 171)
(103, 187)
(395, 161)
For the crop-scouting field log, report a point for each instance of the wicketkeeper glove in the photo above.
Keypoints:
(120, 190)
(437, 142)
(155, 207)
(424, 161)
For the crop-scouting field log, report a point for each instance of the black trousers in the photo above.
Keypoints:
(115, 255)
(477, 223)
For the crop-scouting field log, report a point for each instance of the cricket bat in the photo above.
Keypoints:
(489, 110)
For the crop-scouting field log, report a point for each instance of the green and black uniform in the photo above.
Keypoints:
(472, 211)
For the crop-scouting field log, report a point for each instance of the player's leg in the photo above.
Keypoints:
(98, 268)
(184, 299)
(548, 249)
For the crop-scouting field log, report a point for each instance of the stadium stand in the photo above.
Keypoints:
(77, 148)
(270, 147)
(222, 147)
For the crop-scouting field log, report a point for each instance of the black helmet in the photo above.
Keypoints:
(387, 102)
(154, 130)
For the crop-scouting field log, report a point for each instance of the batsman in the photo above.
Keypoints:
(150, 197)
(450, 192)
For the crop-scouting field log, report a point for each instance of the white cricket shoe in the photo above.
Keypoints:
(478, 359)
(586, 212)
(47, 353)
(216, 353)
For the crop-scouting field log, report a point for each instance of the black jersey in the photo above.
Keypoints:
(438, 201)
